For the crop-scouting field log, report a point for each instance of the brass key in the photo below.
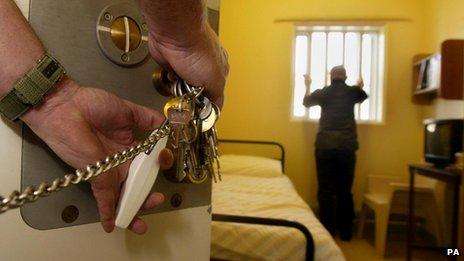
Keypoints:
(179, 112)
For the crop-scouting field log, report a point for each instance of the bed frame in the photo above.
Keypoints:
(264, 143)
(268, 221)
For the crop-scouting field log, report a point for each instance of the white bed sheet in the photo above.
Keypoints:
(273, 197)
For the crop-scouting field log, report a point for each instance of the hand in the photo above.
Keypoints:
(83, 125)
(183, 42)
(308, 80)
(202, 64)
(360, 83)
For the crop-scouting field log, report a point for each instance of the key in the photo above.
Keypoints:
(190, 160)
(197, 174)
(210, 163)
(179, 113)
(213, 142)
(206, 107)
(208, 115)
(180, 167)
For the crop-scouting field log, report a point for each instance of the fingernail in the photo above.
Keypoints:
(159, 198)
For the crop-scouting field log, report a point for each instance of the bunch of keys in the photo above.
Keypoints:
(188, 130)
(192, 136)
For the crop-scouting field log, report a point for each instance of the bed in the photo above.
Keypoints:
(258, 215)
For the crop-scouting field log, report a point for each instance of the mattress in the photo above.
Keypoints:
(271, 197)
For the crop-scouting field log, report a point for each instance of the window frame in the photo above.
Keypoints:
(345, 27)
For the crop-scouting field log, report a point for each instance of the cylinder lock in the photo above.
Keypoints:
(163, 80)
(126, 34)
(122, 34)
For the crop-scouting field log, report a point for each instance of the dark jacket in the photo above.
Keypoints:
(337, 126)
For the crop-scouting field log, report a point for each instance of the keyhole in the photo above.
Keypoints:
(126, 33)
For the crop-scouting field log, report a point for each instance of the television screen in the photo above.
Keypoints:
(438, 137)
(443, 138)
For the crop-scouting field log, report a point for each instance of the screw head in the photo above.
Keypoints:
(70, 214)
(144, 27)
(176, 200)
(108, 16)
(125, 57)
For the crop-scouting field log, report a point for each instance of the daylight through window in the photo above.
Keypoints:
(361, 49)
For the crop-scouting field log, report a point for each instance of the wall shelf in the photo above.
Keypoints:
(439, 75)
(431, 91)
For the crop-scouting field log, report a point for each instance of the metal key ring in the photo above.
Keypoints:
(174, 89)
(196, 91)
(217, 109)
(188, 87)
(179, 88)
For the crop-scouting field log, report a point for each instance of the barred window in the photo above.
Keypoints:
(361, 49)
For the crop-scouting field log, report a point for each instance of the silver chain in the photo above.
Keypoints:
(31, 194)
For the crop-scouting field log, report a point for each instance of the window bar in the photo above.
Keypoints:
(380, 76)
(326, 57)
(344, 48)
(309, 36)
(358, 107)
(294, 69)
(373, 89)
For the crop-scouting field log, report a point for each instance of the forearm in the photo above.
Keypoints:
(20, 49)
(306, 100)
(19, 46)
(306, 96)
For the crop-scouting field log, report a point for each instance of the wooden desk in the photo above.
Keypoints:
(449, 176)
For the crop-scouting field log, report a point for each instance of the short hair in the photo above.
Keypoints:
(338, 73)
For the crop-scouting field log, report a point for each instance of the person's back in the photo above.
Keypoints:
(337, 126)
(336, 146)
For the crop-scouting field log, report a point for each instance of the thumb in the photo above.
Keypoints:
(145, 118)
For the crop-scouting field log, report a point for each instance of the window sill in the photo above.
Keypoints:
(358, 122)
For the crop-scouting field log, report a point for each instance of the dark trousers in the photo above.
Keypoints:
(335, 174)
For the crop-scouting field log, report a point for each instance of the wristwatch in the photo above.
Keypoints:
(30, 90)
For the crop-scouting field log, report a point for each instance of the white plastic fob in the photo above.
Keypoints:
(142, 175)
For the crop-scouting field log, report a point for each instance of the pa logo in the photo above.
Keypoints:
(452, 252)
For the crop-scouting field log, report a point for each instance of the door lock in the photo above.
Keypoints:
(126, 34)
(122, 34)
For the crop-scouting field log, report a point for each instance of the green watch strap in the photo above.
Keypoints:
(31, 88)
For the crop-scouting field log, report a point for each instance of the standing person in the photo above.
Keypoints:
(336, 146)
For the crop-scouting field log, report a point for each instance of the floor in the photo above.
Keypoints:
(360, 249)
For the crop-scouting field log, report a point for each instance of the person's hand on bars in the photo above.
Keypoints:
(360, 83)
(182, 41)
(307, 80)
(82, 125)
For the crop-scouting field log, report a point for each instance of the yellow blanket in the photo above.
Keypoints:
(273, 197)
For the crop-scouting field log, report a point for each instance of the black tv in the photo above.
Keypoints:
(443, 138)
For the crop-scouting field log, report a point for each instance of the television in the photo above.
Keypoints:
(443, 138)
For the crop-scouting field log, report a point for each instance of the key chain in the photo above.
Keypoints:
(198, 139)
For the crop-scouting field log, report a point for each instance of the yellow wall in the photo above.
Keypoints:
(444, 20)
(259, 90)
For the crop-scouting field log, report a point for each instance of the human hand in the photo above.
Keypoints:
(202, 64)
(83, 125)
(184, 43)
(360, 83)
(308, 80)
